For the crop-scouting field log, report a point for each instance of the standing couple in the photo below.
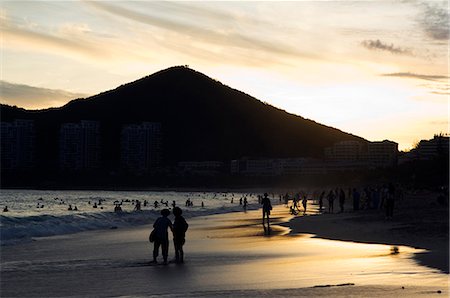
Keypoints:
(160, 235)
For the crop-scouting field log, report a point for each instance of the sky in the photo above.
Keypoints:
(376, 69)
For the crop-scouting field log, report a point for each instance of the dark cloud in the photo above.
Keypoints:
(378, 45)
(417, 76)
(434, 20)
(34, 97)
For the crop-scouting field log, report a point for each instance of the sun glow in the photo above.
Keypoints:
(373, 69)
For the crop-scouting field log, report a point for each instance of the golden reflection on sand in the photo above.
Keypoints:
(303, 260)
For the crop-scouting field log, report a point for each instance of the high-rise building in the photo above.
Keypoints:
(141, 147)
(17, 145)
(344, 151)
(382, 154)
(428, 149)
(79, 148)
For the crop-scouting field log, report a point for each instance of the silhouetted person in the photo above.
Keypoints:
(161, 236)
(137, 207)
(5, 209)
(321, 200)
(330, 199)
(266, 208)
(70, 208)
(341, 200)
(304, 204)
(180, 227)
(390, 200)
(286, 198)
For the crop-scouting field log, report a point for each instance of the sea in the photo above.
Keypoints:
(43, 213)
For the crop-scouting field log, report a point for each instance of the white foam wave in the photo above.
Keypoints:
(15, 229)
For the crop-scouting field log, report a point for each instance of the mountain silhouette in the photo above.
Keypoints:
(201, 119)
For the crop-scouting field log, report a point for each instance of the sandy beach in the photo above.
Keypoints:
(418, 222)
(226, 255)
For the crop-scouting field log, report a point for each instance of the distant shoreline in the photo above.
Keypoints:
(418, 222)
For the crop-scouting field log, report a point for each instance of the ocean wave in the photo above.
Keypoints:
(16, 230)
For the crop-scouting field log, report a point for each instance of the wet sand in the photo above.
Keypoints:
(418, 222)
(226, 255)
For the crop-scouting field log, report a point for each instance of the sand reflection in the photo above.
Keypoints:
(290, 261)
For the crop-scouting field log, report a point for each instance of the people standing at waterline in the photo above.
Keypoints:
(266, 207)
(321, 201)
(304, 204)
(180, 227)
(390, 200)
(161, 235)
(330, 199)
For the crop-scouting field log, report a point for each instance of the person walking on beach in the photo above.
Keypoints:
(304, 203)
(390, 199)
(330, 199)
(180, 227)
(321, 201)
(295, 199)
(341, 200)
(266, 208)
(161, 236)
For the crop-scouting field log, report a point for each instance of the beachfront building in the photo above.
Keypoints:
(314, 167)
(79, 146)
(275, 167)
(345, 150)
(141, 147)
(429, 149)
(256, 167)
(17, 145)
(382, 154)
(203, 168)
(292, 166)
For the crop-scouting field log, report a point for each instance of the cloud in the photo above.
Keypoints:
(439, 85)
(441, 93)
(222, 39)
(71, 39)
(30, 97)
(417, 76)
(434, 20)
(378, 45)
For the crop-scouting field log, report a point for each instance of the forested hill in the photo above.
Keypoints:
(201, 119)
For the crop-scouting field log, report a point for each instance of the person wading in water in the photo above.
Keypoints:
(266, 208)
